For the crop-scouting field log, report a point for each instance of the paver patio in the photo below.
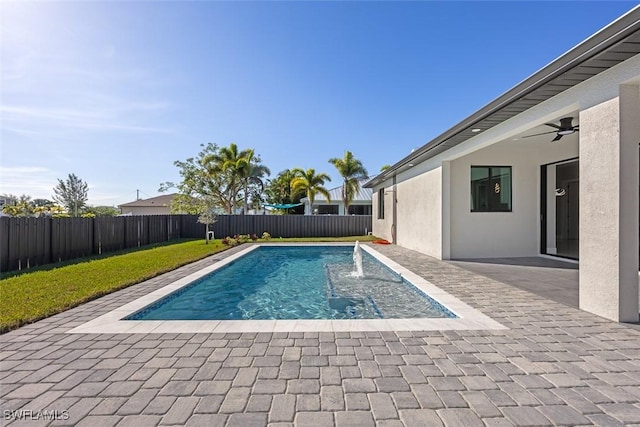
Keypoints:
(555, 365)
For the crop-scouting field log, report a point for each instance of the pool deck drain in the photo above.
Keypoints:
(553, 365)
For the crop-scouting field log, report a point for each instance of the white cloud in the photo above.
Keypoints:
(37, 182)
(58, 86)
(96, 119)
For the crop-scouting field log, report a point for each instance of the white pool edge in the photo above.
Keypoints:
(112, 323)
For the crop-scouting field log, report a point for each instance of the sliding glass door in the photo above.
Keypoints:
(560, 208)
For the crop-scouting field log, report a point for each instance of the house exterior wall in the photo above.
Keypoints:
(494, 234)
(419, 213)
(517, 233)
(502, 234)
(146, 210)
(339, 204)
(310, 211)
(607, 146)
(434, 213)
(610, 134)
(381, 227)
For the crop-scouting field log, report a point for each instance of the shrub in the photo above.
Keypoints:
(230, 241)
(266, 236)
(243, 238)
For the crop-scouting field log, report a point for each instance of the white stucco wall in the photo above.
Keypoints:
(419, 220)
(609, 207)
(382, 226)
(339, 204)
(495, 234)
(503, 234)
(146, 210)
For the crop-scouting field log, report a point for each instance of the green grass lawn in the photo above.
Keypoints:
(45, 291)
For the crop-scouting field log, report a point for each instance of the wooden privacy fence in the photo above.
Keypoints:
(290, 225)
(29, 242)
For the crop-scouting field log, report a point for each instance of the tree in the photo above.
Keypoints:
(311, 184)
(21, 206)
(240, 168)
(251, 173)
(72, 194)
(207, 218)
(225, 163)
(24, 206)
(42, 202)
(352, 172)
(102, 210)
(212, 181)
(278, 190)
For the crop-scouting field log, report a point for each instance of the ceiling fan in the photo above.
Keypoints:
(565, 128)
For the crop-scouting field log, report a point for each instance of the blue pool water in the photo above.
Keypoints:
(298, 282)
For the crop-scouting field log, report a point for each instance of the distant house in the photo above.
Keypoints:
(361, 204)
(7, 200)
(160, 205)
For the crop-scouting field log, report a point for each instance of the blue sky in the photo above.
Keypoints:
(115, 92)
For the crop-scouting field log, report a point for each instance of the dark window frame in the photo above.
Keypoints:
(328, 209)
(359, 209)
(491, 207)
(381, 203)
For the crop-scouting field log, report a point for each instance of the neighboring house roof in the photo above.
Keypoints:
(363, 195)
(159, 201)
(612, 45)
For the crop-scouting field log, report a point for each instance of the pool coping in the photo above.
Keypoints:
(468, 317)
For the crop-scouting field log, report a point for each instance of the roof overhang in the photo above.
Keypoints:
(610, 46)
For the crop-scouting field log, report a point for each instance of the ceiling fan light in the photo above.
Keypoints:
(566, 131)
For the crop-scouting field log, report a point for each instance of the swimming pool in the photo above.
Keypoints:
(115, 321)
(297, 282)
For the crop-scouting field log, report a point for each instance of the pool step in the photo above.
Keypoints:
(349, 297)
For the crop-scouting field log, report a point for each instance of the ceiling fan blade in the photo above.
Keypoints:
(556, 138)
(553, 125)
(537, 134)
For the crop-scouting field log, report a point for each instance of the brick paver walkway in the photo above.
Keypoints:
(554, 366)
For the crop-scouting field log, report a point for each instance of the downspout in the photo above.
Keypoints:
(394, 215)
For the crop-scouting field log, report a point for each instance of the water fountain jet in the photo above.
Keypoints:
(357, 260)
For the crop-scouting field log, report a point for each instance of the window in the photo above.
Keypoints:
(360, 210)
(328, 210)
(381, 203)
(490, 188)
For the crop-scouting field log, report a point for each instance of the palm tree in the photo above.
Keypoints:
(279, 188)
(311, 184)
(227, 163)
(352, 172)
(251, 173)
(240, 168)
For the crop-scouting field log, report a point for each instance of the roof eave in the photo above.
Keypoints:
(613, 33)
